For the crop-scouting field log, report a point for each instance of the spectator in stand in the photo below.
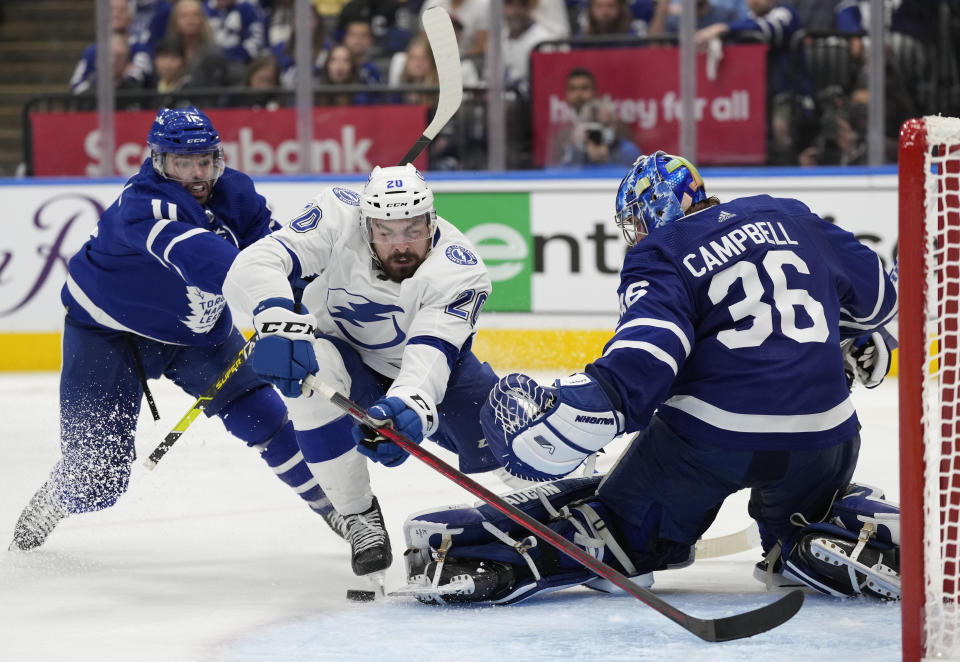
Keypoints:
(263, 73)
(285, 51)
(521, 33)
(594, 140)
(615, 17)
(789, 85)
(816, 15)
(137, 65)
(419, 68)
(238, 28)
(911, 44)
(338, 69)
(170, 65)
(581, 88)
(393, 23)
(358, 38)
(553, 15)
(474, 16)
(207, 66)
(666, 17)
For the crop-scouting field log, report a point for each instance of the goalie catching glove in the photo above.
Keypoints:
(283, 354)
(539, 432)
(409, 411)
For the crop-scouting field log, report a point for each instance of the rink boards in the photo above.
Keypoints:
(548, 240)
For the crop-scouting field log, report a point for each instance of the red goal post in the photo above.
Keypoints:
(929, 327)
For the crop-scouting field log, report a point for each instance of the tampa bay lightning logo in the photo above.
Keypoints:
(347, 196)
(358, 317)
(460, 255)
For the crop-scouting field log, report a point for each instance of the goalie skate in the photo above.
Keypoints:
(851, 567)
(460, 581)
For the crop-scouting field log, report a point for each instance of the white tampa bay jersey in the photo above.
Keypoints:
(350, 296)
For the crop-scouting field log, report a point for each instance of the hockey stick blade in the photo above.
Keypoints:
(733, 543)
(446, 54)
(198, 406)
(709, 629)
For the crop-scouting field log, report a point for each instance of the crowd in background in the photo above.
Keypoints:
(816, 63)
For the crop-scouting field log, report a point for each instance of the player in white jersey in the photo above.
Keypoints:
(388, 316)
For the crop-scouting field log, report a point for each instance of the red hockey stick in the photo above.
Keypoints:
(709, 629)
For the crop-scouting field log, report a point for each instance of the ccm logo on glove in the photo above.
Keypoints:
(287, 327)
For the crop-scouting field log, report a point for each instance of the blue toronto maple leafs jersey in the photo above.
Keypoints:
(731, 322)
(156, 262)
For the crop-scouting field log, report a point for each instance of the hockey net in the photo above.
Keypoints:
(929, 273)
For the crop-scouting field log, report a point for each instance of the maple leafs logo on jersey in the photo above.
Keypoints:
(375, 322)
(205, 309)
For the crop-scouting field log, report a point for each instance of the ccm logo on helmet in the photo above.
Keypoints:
(287, 327)
(600, 420)
(396, 204)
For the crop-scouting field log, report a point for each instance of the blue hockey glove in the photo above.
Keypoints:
(867, 359)
(284, 352)
(542, 433)
(388, 412)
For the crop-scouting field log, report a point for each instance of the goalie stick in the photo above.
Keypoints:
(725, 628)
(443, 42)
(733, 543)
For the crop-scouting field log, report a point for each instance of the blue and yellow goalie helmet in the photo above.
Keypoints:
(657, 190)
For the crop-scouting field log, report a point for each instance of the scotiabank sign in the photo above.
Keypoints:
(257, 142)
(642, 86)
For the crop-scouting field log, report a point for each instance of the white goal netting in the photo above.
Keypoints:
(941, 408)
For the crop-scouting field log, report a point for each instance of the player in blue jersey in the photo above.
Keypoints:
(728, 362)
(143, 300)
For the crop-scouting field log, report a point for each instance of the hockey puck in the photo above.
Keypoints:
(360, 596)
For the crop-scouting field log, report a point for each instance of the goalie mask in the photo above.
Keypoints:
(186, 148)
(656, 191)
(397, 219)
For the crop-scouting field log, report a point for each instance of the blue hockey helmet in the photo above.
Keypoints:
(184, 131)
(657, 190)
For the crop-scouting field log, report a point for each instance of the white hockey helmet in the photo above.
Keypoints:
(395, 193)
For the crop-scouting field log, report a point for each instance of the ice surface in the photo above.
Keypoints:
(209, 557)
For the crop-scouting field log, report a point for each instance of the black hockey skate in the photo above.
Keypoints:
(337, 523)
(369, 542)
(851, 568)
(461, 581)
(37, 520)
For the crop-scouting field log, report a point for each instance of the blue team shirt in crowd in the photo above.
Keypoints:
(156, 262)
(731, 322)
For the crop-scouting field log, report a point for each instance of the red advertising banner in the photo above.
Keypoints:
(345, 140)
(642, 88)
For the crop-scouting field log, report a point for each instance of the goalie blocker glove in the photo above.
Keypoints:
(541, 433)
(284, 352)
(867, 359)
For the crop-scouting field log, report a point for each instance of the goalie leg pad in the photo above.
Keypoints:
(451, 552)
(865, 506)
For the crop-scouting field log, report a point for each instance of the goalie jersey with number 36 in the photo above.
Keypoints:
(717, 308)
(351, 298)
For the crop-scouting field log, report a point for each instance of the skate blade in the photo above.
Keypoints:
(376, 580)
(459, 585)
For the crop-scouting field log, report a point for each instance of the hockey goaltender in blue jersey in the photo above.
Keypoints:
(715, 339)
(156, 263)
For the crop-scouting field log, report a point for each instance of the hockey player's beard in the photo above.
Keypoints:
(399, 266)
